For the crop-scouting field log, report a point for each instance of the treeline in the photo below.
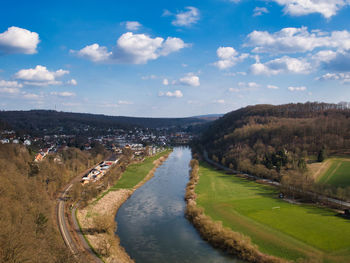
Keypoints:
(276, 141)
(46, 122)
(215, 233)
(28, 231)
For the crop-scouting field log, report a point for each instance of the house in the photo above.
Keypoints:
(3, 141)
(27, 142)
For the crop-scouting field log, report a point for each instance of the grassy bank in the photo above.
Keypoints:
(97, 219)
(279, 228)
(215, 233)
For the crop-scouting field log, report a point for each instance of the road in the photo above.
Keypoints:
(320, 197)
(76, 246)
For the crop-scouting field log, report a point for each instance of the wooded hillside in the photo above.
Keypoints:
(269, 141)
(27, 202)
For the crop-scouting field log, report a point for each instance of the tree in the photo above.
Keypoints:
(322, 155)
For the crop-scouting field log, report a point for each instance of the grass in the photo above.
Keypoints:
(277, 227)
(337, 174)
(136, 172)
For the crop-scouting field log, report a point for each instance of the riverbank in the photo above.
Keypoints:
(285, 230)
(215, 233)
(97, 219)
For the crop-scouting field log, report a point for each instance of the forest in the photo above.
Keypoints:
(28, 193)
(278, 142)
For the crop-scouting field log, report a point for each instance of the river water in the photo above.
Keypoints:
(151, 223)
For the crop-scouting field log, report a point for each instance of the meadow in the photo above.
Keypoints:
(337, 174)
(136, 172)
(279, 228)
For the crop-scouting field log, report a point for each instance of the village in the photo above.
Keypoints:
(138, 140)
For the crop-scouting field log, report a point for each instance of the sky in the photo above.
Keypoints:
(172, 58)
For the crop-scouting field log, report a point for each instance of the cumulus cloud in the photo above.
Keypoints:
(10, 84)
(132, 48)
(165, 82)
(63, 94)
(18, 40)
(40, 76)
(190, 79)
(272, 87)
(175, 94)
(281, 65)
(294, 40)
(327, 8)
(72, 82)
(186, 18)
(94, 52)
(344, 78)
(132, 25)
(340, 62)
(228, 57)
(258, 11)
(301, 88)
(10, 87)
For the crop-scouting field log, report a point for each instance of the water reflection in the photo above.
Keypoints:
(151, 224)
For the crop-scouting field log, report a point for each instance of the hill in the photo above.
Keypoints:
(53, 122)
(274, 141)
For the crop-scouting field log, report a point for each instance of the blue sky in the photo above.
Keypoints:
(172, 58)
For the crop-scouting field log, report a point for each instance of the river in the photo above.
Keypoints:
(151, 223)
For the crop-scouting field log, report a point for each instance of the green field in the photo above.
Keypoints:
(136, 172)
(337, 174)
(277, 227)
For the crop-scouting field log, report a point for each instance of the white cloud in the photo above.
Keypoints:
(344, 78)
(124, 102)
(132, 25)
(40, 76)
(18, 40)
(272, 87)
(72, 82)
(228, 57)
(186, 18)
(133, 48)
(245, 86)
(258, 11)
(31, 96)
(9, 90)
(301, 88)
(10, 84)
(175, 94)
(63, 94)
(189, 79)
(219, 101)
(251, 85)
(327, 8)
(294, 40)
(281, 65)
(165, 82)
(94, 52)
(172, 44)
